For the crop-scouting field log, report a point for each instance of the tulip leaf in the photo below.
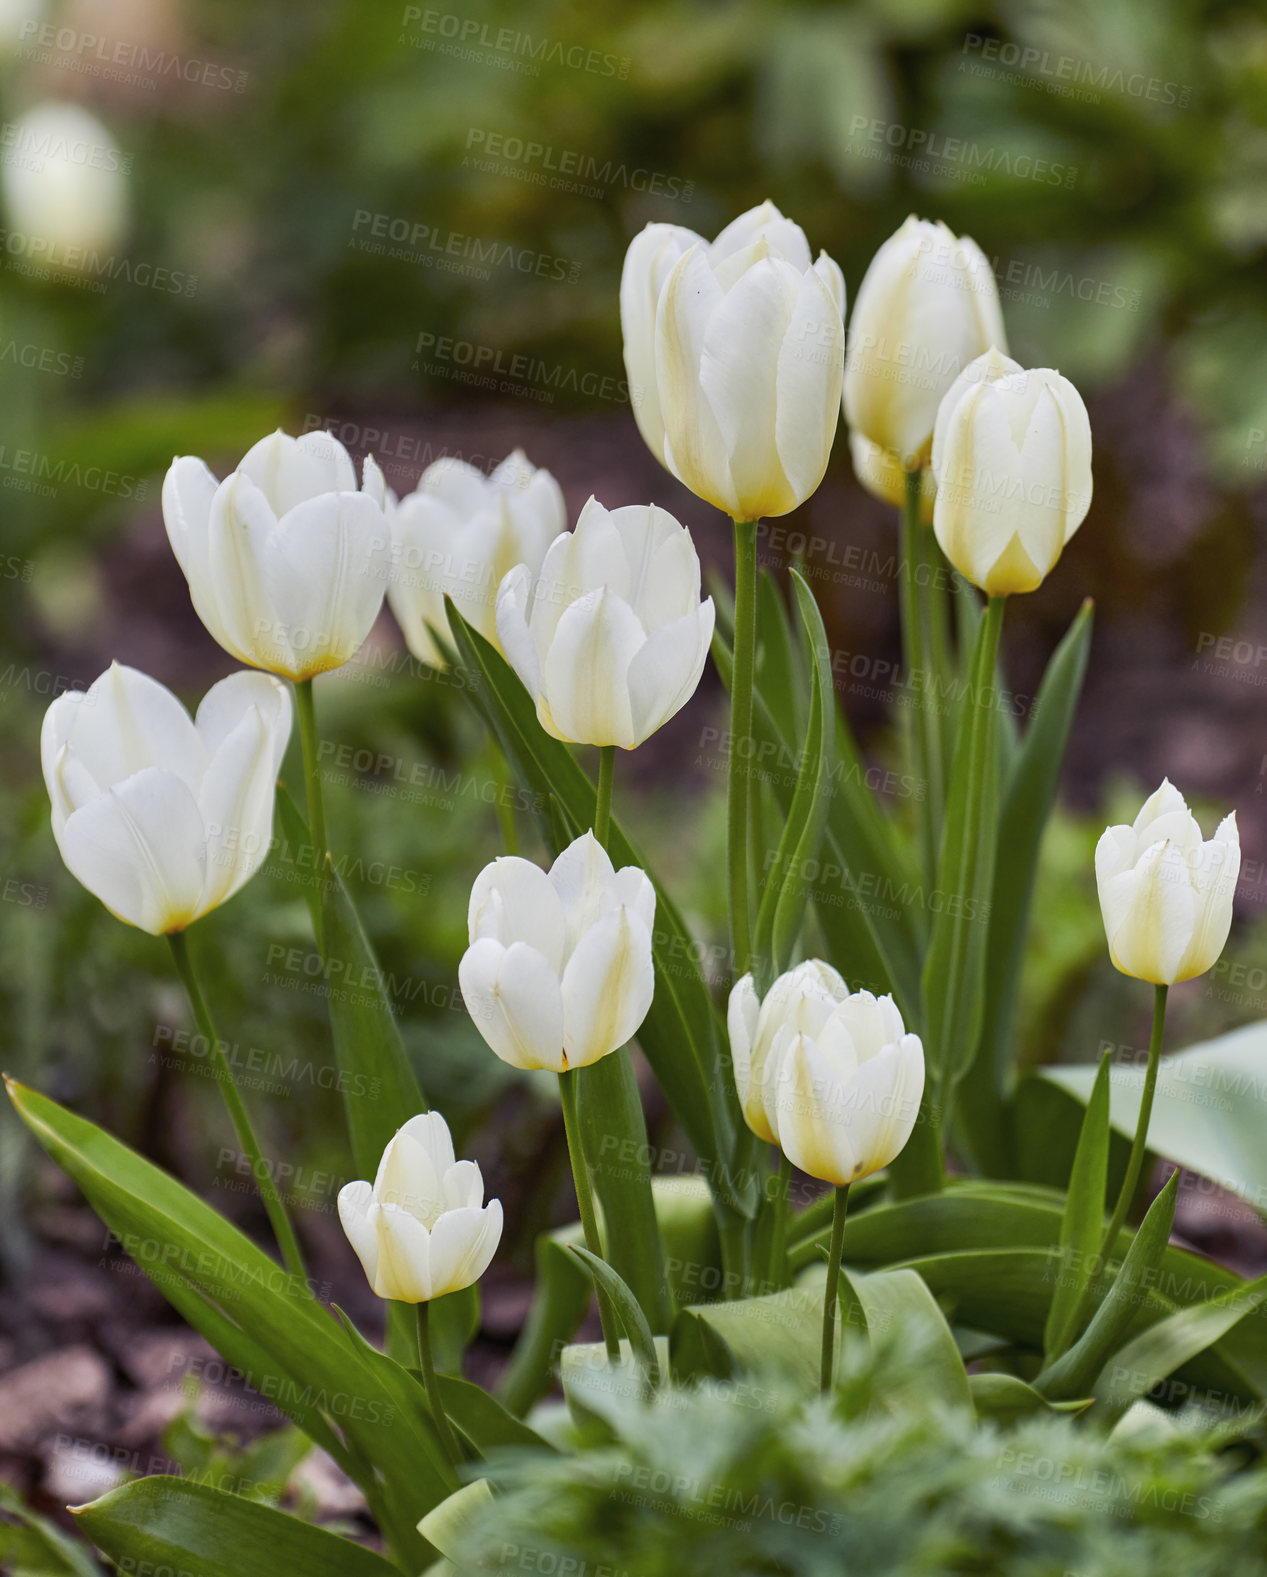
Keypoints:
(297, 851)
(781, 671)
(777, 1330)
(162, 1524)
(444, 1524)
(1074, 1373)
(1156, 1353)
(680, 1033)
(482, 1418)
(786, 888)
(561, 1296)
(1029, 793)
(900, 1302)
(627, 1307)
(697, 1350)
(1005, 1398)
(34, 1546)
(264, 1322)
(1083, 1223)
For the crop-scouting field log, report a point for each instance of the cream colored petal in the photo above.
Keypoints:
(608, 987)
(586, 670)
(513, 997)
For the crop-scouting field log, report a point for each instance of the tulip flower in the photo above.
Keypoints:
(163, 817)
(611, 638)
(881, 473)
(1165, 895)
(559, 972)
(65, 186)
(829, 1076)
(287, 561)
(422, 1229)
(458, 534)
(735, 352)
(1012, 458)
(927, 306)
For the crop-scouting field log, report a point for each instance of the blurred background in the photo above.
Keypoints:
(405, 224)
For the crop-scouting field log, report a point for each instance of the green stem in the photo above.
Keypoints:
(916, 634)
(832, 1290)
(741, 743)
(427, 1364)
(1139, 1145)
(603, 803)
(312, 771)
(585, 1203)
(776, 1270)
(282, 1229)
(936, 610)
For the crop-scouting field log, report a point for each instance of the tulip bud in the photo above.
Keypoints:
(559, 971)
(422, 1229)
(611, 638)
(458, 534)
(65, 186)
(735, 352)
(832, 1078)
(1165, 896)
(927, 306)
(1012, 458)
(161, 817)
(287, 562)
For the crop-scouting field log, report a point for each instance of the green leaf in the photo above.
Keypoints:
(157, 1524)
(627, 1307)
(786, 886)
(1027, 801)
(697, 1350)
(900, 1301)
(1006, 1398)
(1154, 1355)
(561, 1296)
(297, 851)
(779, 1330)
(1074, 1373)
(482, 1418)
(443, 1526)
(34, 1546)
(1083, 1223)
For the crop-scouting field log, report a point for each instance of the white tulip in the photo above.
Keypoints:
(559, 971)
(611, 638)
(1165, 895)
(458, 534)
(927, 306)
(423, 1228)
(883, 475)
(735, 353)
(287, 562)
(65, 186)
(161, 817)
(1012, 458)
(831, 1077)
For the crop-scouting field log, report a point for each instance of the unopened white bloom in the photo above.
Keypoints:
(611, 638)
(423, 1228)
(160, 816)
(927, 306)
(559, 971)
(1012, 458)
(831, 1077)
(287, 561)
(65, 186)
(1165, 895)
(735, 353)
(458, 534)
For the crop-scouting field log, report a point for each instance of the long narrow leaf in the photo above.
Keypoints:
(626, 1306)
(1083, 1221)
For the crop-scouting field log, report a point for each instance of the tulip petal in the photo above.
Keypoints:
(228, 702)
(235, 801)
(881, 1104)
(513, 997)
(463, 1243)
(586, 671)
(809, 372)
(404, 1255)
(807, 1100)
(1155, 911)
(665, 674)
(651, 255)
(607, 987)
(463, 1186)
(513, 900)
(354, 1203)
(584, 879)
(291, 471)
(129, 721)
(188, 490)
(694, 450)
(663, 581)
(513, 630)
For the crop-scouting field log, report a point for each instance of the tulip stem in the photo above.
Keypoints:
(916, 617)
(603, 802)
(831, 1292)
(312, 772)
(1139, 1145)
(569, 1096)
(741, 742)
(776, 1271)
(427, 1364)
(282, 1228)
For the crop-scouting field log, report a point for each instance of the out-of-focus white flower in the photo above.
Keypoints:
(65, 186)
(831, 1077)
(422, 1229)
(1012, 458)
(1165, 895)
(735, 353)
(559, 971)
(287, 561)
(161, 817)
(882, 474)
(611, 638)
(458, 534)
